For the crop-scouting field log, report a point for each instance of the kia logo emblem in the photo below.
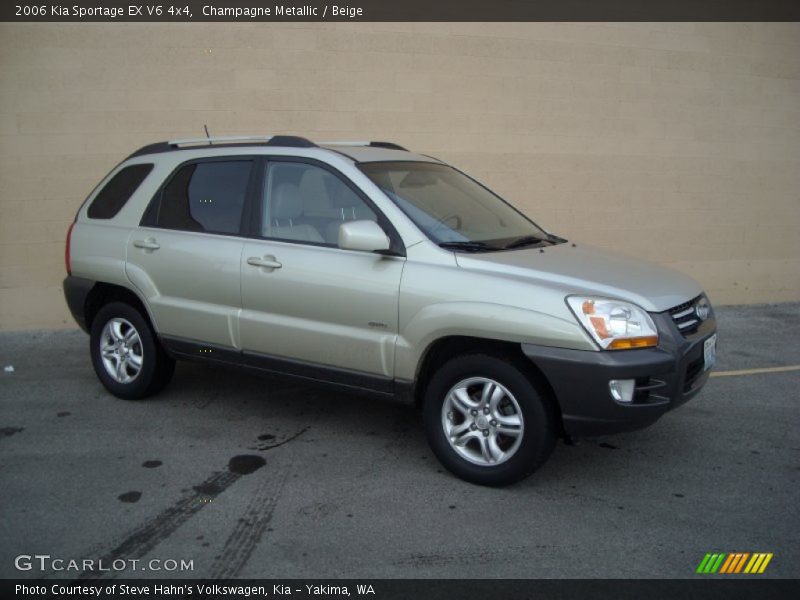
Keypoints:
(702, 310)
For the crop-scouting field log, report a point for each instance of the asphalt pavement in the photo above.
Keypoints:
(247, 476)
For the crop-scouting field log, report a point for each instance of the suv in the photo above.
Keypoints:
(367, 266)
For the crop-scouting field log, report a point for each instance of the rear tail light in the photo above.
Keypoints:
(67, 257)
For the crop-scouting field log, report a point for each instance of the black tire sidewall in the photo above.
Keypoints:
(539, 434)
(142, 385)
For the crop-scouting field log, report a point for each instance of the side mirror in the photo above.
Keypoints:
(362, 235)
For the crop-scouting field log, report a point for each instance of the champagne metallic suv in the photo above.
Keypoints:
(367, 266)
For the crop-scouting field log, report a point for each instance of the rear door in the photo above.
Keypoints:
(185, 258)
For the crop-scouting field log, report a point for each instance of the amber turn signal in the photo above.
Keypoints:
(637, 342)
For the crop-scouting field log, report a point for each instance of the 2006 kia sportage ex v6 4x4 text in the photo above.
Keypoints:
(364, 265)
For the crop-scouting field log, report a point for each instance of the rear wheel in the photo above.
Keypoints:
(486, 421)
(127, 357)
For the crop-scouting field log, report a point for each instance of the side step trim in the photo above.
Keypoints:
(194, 350)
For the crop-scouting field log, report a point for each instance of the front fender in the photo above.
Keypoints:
(481, 320)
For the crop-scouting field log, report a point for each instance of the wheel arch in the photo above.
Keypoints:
(104, 293)
(445, 348)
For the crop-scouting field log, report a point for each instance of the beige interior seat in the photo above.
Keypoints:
(315, 189)
(284, 219)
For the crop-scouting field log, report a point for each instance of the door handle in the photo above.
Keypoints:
(268, 261)
(148, 244)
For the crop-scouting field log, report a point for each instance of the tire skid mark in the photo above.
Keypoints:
(287, 440)
(466, 557)
(143, 539)
(250, 528)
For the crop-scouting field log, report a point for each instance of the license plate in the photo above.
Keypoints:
(710, 352)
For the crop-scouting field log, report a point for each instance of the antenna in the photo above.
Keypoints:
(210, 142)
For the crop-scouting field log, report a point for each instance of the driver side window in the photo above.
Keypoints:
(305, 203)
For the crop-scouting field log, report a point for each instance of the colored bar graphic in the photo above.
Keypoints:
(754, 562)
(727, 564)
(764, 564)
(736, 559)
(703, 563)
(718, 563)
(712, 559)
(741, 562)
(734, 562)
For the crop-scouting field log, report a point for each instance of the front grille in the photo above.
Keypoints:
(685, 317)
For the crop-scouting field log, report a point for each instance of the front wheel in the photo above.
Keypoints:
(486, 421)
(127, 357)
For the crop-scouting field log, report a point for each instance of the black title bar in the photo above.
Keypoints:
(399, 10)
(706, 588)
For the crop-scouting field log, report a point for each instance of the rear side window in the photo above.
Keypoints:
(110, 200)
(206, 196)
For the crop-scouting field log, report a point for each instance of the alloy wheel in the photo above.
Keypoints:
(482, 421)
(121, 350)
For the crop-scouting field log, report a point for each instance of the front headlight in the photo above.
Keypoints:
(614, 324)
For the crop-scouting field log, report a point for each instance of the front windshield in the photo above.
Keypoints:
(451, 209)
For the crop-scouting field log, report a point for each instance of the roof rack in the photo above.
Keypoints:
(351, 143)
(287, 141)
(267, 140)
(210, 141)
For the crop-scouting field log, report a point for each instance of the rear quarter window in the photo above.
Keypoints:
(110, 200)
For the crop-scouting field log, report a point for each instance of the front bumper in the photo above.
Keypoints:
(666, 377)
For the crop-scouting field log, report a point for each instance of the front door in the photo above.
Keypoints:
(304, 298)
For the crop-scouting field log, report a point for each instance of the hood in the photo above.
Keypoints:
(589, 270)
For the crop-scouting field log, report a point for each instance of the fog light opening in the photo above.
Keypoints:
(622, 389)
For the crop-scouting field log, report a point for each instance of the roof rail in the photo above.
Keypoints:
(287, 141)
(351, 143)
(227, 139)
(268, 140)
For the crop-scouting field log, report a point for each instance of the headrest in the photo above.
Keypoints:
(314, 189)
(344, 197)
(286, 202)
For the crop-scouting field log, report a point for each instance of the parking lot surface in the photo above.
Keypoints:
(248, 476)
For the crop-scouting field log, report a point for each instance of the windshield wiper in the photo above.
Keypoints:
(528, 240)
(469, 246)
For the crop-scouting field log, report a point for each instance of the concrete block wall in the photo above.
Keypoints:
(679, 143)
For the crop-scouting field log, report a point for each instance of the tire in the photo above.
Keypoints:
(502, 426)
(127, 357)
